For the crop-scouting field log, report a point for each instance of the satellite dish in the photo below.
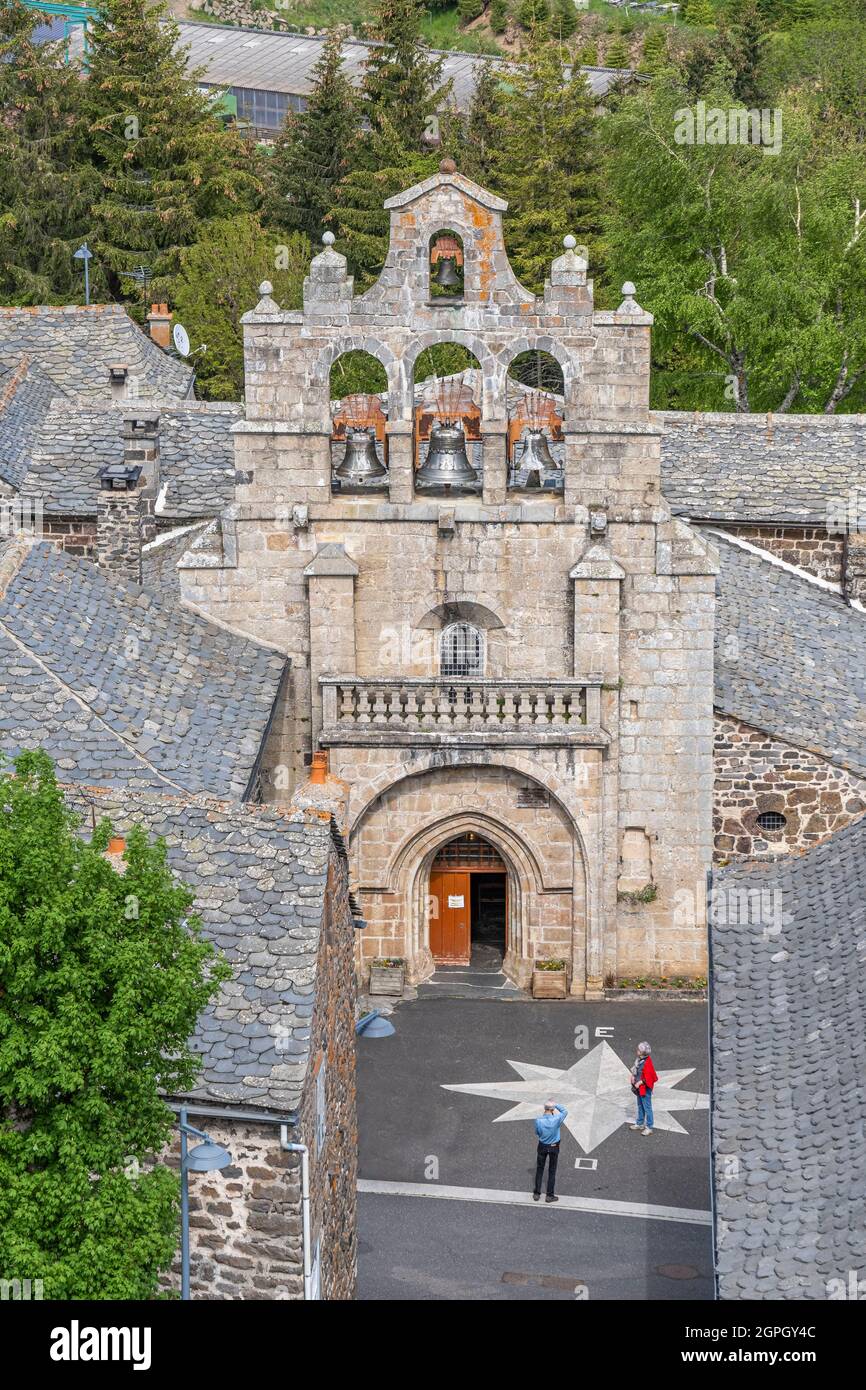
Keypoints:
(181, 339)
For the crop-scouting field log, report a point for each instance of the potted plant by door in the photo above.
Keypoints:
(549, 979)
(387, 974)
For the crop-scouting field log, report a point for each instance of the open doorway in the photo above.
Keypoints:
(468, 904)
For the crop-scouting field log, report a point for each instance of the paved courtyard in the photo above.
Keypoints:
(448, 1153)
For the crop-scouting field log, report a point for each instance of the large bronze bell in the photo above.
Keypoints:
(536, 457)
(446, 276)
(360, 462)
(447, 463)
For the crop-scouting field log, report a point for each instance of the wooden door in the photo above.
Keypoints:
(449, 916)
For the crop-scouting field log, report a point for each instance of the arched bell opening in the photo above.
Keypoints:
(445, 258)
(359, 441)
(468, 903)
(447, 416)
(535, 403)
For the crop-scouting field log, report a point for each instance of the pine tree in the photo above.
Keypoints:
(698, 12)
(479, 133)
(588, 55)
(617, 54)
(358, 216)
(469, 10)
(532, 13)
(402, 86)
(655, 50)
(499, 16)
(164, 163)
(314, 151)
(546, 161)
(744, 45)
(563, 20)
(45, 194)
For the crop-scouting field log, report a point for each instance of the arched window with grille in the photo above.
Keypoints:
(461, 651)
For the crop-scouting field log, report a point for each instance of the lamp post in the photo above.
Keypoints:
(84, 254)
(204, 1158)
(374, 1025)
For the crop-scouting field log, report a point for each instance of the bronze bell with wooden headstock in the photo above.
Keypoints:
(536, 457)
(446, 276)
(447, 463)
(360, 462)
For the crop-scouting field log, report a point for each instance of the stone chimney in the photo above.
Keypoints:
(119, 522)
(125, 515)
(118, 375)
(159, 320)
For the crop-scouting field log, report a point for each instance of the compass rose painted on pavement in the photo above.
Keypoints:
(596, 1092)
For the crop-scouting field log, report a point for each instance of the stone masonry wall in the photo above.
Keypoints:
(333, 1165)
(811, 548)
(754, 773)
(246, 1238)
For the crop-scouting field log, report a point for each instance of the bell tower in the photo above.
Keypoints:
(448, 514)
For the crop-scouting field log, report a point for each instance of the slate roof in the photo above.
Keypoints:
(259, 875)
(74, 346)
(78, 439)
(273, 62)
(761, 468)
(122, 689)
(25, 397)
(790, 657)
(789, 1095)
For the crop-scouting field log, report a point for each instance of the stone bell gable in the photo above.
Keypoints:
(522, 659)
(611, 446)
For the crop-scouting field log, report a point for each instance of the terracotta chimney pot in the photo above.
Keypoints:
(319, 768)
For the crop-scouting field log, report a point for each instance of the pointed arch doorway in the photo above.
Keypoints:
(468, 903)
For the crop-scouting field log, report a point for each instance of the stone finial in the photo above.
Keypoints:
(328, 268)
(629, 303)
(266, 304)
(328, 238)
(447, 166)
(570, 267)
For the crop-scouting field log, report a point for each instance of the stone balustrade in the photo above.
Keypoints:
(420, 709)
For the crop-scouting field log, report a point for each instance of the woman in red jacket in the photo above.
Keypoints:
(643, 1078)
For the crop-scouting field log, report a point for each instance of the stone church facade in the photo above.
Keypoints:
(523, 672)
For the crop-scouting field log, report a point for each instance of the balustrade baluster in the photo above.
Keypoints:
(524, 709)
(505, 705)
(476, 707)
(428, 707)
(558, 709)
(410, 709)
(347, 704)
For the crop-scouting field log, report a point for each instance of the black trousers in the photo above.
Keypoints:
(549, 1154)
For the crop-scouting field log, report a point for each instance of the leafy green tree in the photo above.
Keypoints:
(314, 151)
(102, 976)
(163, 161)
(546, 163)
(45, 193)
(218, 282)
(754, 263)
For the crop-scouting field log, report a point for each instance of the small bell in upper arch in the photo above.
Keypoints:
(360, 462)
(446, 276)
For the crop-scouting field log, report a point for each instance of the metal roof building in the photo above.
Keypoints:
(271, 73)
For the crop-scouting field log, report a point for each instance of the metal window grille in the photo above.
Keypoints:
(468, 852)
(772, 820)
(462, 651)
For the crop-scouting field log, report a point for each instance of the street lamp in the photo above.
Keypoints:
(374, 1025)
(208, 1157)
(84, 254)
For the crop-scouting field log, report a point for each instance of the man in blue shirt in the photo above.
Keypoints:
(547, 1128)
